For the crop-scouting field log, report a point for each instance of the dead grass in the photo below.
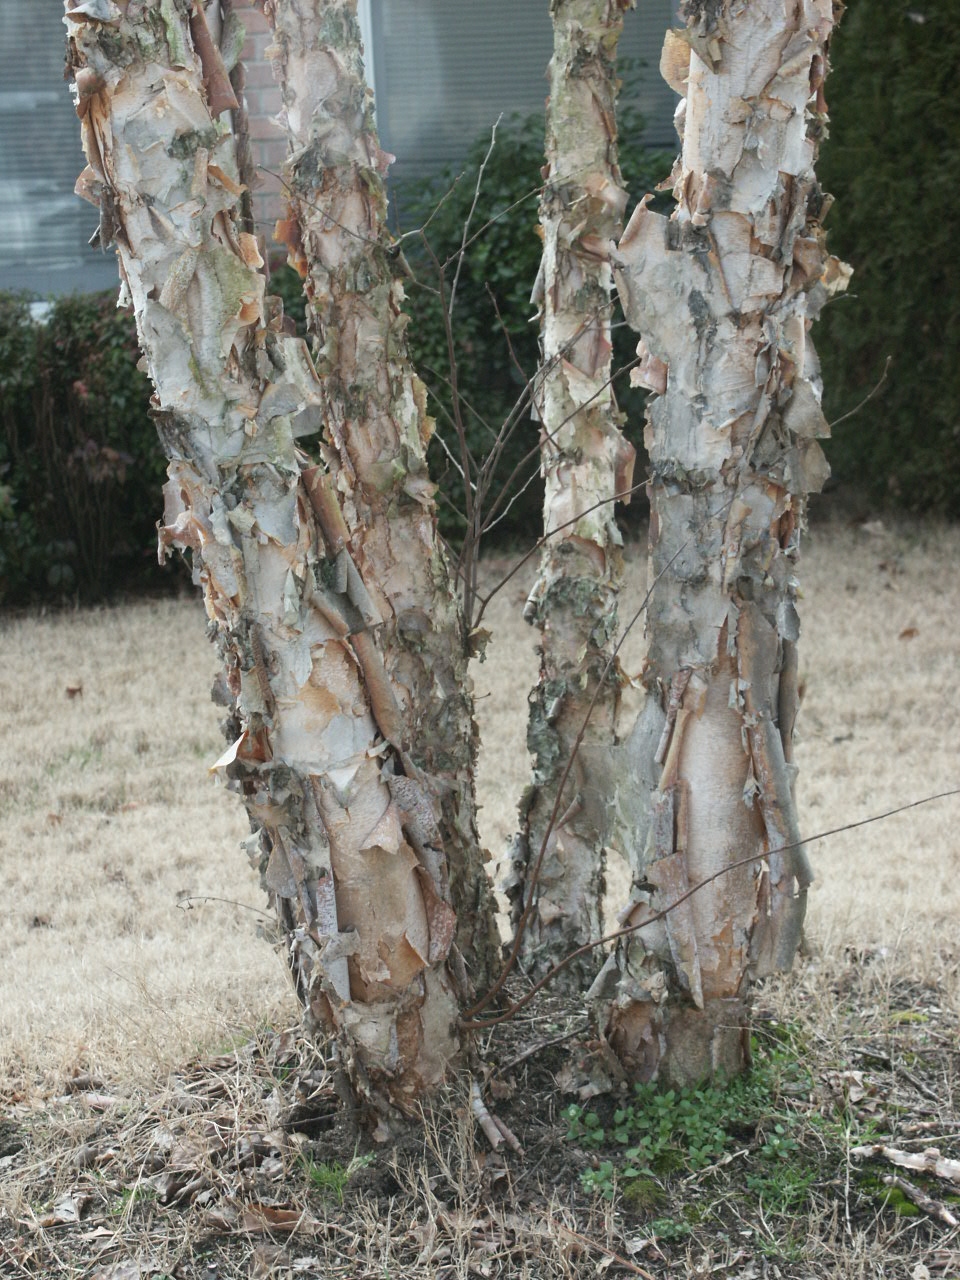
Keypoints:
(109, 986)
(110, 821)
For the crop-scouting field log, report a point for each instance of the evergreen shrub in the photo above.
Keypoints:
(80, 466)
(893, 164)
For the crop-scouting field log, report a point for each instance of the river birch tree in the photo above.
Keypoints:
(556, 875)
(376, 430)
(723, 293)
(346, 821)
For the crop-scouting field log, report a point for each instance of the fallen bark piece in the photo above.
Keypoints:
(493, 1127)
(933, 1208)
(929, 1161)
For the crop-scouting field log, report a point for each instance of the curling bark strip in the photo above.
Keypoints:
(376, 430)
(724, 294)
(366, 914)
(585, 461)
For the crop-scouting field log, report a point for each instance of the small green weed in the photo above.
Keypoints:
(783, 1189)
(662, 1132)
(584, 1127)
(670, 1229)
(331, 1178)
(139, 1194)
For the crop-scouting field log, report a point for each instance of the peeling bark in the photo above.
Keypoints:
(724, 294)
(359, 888)
(585, 461)
(376, 429)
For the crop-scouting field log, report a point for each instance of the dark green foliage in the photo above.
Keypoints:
(502, 259)
(893, 164)
(79, 461)
(80, 464)
(286, 284)
(663, 1132)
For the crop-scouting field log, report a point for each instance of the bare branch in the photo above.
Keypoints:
(466, 226)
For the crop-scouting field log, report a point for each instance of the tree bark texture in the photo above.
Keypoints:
(362, 901)
(585, 461)
(723, 293)
(376, 431)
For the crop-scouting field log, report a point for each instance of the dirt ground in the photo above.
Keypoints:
(141, 1017)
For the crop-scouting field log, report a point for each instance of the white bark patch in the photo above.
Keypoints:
(723, 294)
(585, 461)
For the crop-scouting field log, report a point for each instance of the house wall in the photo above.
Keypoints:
(442, 70)
(44, 227)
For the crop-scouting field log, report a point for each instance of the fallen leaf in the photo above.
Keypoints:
(266, 1260)
(99, 1101)
(127, 1270)
(268, 1217)
(501, 1090)
(67, 1210)
(222, 1219)
(82, 1080)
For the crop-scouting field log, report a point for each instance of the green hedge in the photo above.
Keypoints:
(893, 164)
(80, 466)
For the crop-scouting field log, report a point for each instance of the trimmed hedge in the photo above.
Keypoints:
(80, 465)
(893, 164)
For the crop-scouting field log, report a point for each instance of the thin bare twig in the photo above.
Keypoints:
(466, 226)
(186, 904)
(866, 399)
(614, 497)
(535, 451)
(590, 1243)
(516, 496)
(540, 1045)
(467, 561)
(435, 373)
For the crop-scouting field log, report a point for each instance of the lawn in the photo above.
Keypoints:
(161, 1116)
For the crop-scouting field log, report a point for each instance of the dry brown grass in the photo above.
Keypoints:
(110, 821)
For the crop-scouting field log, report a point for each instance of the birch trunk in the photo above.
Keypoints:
(376, 429)
(585, 461)
(724, 293)
(366, 914)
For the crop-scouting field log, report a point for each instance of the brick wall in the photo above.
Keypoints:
(267, 139)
